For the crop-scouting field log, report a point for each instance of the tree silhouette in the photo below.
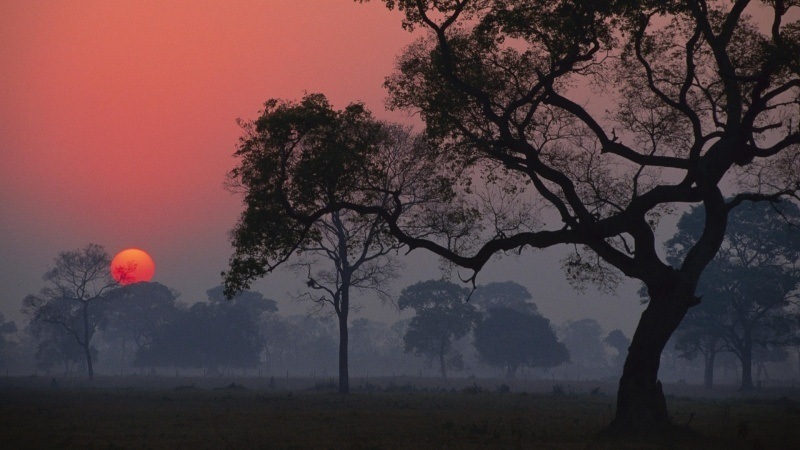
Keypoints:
(509, 339)
(583, 339)
(6, 347)
(507, 294)
(442, 316)
(135, 313)
(684, 93)
(75, 295)
(329, 149)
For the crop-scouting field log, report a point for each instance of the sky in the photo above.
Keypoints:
(118, 125)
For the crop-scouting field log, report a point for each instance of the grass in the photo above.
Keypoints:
(234, 416)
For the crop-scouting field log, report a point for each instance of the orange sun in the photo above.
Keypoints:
(132, 266)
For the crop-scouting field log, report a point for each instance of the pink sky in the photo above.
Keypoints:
(117, 124)
(117, 119)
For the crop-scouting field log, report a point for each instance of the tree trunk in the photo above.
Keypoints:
(747, 362)
(708, 376)
(641, 406)
(86, 337)
(344, 372)
(442, 364)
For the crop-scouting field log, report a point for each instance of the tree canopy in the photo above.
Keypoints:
(442, 316)
(509, 339)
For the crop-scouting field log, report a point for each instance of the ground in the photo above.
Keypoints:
(382, 414)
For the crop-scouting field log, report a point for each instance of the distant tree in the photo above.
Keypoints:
(212, 335)
(6, 346)
(508, 338)
(442, 316)
(583, 339)
(617, 340)
(701, 334)
(751, 284)
(253, 302)
(507, 294)
(134, 314)
(75, 295)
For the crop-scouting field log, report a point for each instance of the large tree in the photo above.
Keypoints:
(613, 113)
(442, 316)
(74, 297)
(604, 114)
(748, 289)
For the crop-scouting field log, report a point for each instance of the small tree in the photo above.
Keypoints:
(509, 339)
(74, 296)
(442, 316)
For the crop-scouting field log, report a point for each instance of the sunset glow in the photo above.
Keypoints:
(132, 266)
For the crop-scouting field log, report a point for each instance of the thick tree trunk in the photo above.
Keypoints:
(344, 373)
(708, 376)
(641, 406)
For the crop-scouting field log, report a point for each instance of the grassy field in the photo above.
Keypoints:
(215, 414)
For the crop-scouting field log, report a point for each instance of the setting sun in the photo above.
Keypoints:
(132, 266)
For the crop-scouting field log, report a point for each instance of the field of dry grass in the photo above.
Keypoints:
(213, 414)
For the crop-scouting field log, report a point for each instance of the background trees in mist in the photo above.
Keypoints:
(214, 335)
(508, 338)
(442, 315)
(750, 289)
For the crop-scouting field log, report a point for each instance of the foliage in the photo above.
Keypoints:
(583, 339)
(683, 96)
(136, 311)
(442, 316)
(508, 294)
(508, 339)
(298, 162)
(210, 335)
